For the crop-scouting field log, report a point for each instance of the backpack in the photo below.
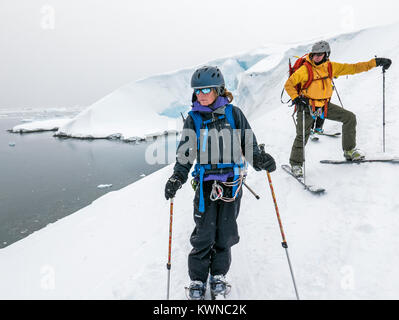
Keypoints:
(299, 63)
(200, 170)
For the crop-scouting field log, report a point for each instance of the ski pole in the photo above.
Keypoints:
(284, 243)
(383, 109)
(250, 190)
(182, 116)
(169, 265)
(303, 144)
(339, 98)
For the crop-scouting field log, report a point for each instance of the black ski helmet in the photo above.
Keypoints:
(322, 47)
(207, 77)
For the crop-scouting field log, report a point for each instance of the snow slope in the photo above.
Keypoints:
(343, 245)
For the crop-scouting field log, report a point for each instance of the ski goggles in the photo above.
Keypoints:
(204, 91)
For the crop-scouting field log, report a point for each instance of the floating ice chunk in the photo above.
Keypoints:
(11, 144)
(39, 126)
(104, 186)
(142, 175)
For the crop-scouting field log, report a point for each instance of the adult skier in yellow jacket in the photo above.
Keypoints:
(315, 99)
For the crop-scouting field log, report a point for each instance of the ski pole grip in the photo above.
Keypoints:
(250, 190)
(262, 148)
(284, 244)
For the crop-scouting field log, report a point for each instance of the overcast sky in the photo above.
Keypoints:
(62, 53)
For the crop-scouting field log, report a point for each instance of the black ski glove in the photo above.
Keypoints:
(301, 102)
(383, 62)
(172, 185)
(264, 161)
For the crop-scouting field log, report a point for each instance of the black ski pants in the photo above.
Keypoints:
(214, 234)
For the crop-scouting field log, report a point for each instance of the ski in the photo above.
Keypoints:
(218, 297)
(209, 294)
(311, 188)
(222, 295)
(391, 160)
(328, 134)
(187, 290)
(336, 134)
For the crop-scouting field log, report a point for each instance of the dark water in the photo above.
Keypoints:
(43, 178)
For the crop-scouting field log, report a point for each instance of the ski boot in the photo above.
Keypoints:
(313, 135)
(318, 130)
(196, 290)
(220, 288)
(354, 155)
(297, 171)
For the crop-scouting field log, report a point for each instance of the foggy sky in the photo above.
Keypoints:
(63, 53)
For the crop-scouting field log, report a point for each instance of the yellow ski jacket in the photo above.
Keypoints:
(321, 88)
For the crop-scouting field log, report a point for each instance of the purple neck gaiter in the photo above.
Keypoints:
(219, 102)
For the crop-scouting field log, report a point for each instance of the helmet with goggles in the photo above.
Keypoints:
(321, 47)
(207, 77)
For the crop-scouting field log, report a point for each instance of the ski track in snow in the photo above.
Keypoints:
(342, 245)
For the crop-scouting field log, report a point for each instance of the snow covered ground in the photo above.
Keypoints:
(343, 245)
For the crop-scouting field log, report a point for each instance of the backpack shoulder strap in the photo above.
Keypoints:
(197, 121)
(229, 115)
(310, 75)
(330, 73)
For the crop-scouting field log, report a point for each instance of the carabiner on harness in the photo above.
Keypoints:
(194, 184)
(217, 191)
